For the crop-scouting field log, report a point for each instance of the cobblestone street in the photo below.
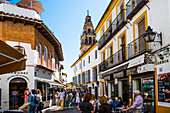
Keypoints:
(66, 110)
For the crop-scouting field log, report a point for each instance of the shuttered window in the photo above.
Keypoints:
(94, 74)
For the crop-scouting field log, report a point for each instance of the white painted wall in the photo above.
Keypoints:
(12, 9)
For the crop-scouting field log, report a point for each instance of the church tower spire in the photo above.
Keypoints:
(88, 38)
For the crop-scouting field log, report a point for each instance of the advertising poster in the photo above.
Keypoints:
(164, 88)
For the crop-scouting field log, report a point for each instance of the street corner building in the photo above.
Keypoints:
(132, 54)
(134, 49)
(22, 29)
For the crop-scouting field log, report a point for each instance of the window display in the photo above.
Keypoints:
(148, 94)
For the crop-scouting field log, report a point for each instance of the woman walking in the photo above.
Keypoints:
(86, 106)
(39, 107)
(77, 98)
(57, 98)
(26, 95)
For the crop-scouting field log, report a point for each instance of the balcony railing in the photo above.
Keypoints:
(137, 47)
(115, 26)
(116, 58)
(133, 6)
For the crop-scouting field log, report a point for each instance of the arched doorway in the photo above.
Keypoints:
(16, 86)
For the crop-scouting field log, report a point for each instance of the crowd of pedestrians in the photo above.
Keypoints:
(86, 102)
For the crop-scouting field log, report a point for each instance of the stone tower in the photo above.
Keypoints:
(88, 37)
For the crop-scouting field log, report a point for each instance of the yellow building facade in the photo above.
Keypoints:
(128, 62)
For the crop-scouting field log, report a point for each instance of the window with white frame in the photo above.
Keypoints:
(45, 56)
(94, 74)
(103, 56)
(90, 40)
(39, 53)
(110, 51)
(49, 59)
(96, 54)
(88, 79)
(94, 40)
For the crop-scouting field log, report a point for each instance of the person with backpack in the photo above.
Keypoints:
(34, 100)
(69, 98)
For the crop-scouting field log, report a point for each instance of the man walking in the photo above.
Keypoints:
(62, 96)
(138, 103)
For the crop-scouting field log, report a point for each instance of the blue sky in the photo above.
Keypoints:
(65, 18)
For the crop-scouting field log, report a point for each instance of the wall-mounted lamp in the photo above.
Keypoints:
(149, 36)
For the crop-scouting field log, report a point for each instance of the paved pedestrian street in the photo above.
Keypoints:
(66, 110)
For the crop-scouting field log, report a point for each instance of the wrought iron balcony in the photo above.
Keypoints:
(115, 26)
(113, 60)
(133, 6)
(137, 47)
(134, 49)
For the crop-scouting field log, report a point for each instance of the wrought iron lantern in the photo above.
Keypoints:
(149, 36)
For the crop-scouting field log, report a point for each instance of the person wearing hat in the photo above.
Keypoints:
(138, 103)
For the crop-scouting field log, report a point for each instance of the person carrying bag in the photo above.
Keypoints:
(34, 100)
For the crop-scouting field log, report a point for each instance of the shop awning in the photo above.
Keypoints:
(11, 60)
(47, 81)
(57, 80)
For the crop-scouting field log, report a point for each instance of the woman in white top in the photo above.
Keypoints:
(77, 98)
(39, 108)
(57, 99)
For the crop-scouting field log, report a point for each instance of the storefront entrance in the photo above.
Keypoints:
(16, 92)
(123, 92)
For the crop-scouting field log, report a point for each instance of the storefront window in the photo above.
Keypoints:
(42, 87)
(49, 92)
(148, 94)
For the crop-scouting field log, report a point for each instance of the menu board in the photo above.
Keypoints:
(164, 87)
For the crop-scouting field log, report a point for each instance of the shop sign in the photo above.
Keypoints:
(131, 71)
(121, 68)
(145, 68)
(107, 77)
(137, 61)
(164, 89)
(14, 76)
(118, 75)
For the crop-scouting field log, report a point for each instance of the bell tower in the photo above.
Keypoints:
(88, 37)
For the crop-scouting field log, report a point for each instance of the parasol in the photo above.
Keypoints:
(31, 4)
